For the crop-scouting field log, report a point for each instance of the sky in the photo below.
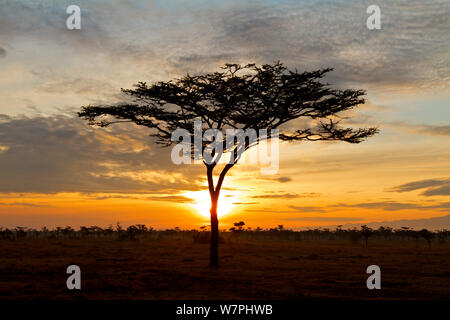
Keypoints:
(55, 170)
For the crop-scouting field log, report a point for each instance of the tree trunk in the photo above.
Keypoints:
(214, 194)
(214, 255)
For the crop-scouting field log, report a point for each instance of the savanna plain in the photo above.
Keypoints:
(264, 265)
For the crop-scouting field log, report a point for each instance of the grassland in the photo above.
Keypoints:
(174, 267)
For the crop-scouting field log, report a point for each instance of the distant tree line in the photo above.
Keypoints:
(353, 234)
(238, 231)
(132, 232)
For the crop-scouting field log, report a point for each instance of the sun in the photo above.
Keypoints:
(202, 202)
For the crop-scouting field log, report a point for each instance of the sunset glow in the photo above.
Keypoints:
(202, 202)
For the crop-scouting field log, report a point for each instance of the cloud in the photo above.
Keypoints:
(284, 179)
(276, 196)
(439, 191)
(279, 179)
(307, 208)
(245, 203)
(413, 34)
(3, 52)
(22, 204)
(394, 206)
(80, 86)
(433, 130)
(434, 187)
(320, 218)
(62, 154)
(286, 195)
(46, 21)
(411, 186)
(175, 198)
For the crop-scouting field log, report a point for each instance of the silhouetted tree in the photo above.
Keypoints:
(21, 232)
(239, 225)
(108, 232)
(6, 234)
(427, 235)
(386, 232)
(366, 232)
(415, 235)
(237, 97)
(404, 232)
(67, 231)
(442, 235)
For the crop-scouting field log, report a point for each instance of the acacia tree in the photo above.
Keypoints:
(427, 235)
(366, 232)
(237, 97)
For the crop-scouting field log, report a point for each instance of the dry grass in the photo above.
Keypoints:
(250, 269)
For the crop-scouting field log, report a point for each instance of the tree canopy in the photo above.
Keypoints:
(238, 97)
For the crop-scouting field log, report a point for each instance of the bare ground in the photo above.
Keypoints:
(250, 269)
